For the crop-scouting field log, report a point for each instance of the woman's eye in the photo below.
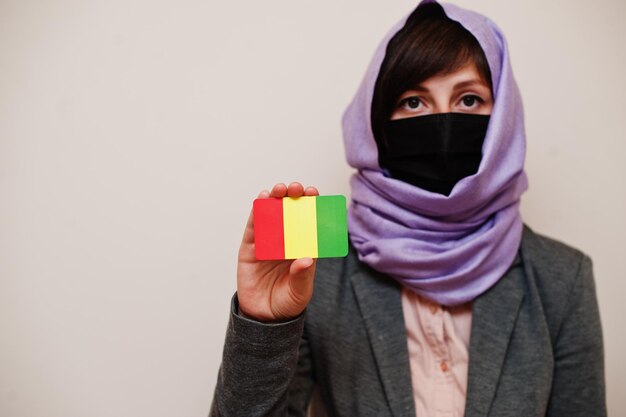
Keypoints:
(470, 101)
(411, 103)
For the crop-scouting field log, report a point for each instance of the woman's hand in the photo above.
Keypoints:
(271, 291)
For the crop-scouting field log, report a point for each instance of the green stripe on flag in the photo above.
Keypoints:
(332, 226)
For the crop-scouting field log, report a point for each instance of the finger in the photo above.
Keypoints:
(295, 189)
(301, 264)
(302, 272)
(311, 191)
(279, 191)
(248, 233)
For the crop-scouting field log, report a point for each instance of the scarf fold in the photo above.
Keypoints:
(449, 249)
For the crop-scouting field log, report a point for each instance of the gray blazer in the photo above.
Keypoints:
(535, 346)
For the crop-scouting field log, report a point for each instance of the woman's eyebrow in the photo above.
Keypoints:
(471, 83)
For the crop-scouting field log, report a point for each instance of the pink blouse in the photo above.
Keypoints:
(438, 341)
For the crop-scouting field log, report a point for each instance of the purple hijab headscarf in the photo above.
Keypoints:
(449, 249)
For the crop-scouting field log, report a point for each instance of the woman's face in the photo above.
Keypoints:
(462, 91)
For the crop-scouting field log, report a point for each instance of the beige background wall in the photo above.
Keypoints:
(134, 135)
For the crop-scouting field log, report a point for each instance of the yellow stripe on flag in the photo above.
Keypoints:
(299, 219)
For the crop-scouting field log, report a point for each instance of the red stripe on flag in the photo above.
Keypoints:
(269, 240)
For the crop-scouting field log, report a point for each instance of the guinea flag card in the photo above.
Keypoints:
(302, 227)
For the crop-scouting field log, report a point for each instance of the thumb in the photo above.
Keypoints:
(302, 272)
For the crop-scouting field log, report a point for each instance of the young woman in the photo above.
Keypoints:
(447, 305)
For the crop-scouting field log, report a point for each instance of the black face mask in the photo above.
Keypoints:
(435, 151)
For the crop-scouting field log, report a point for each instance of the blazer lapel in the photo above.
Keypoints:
(380, 304)
(493, 318)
